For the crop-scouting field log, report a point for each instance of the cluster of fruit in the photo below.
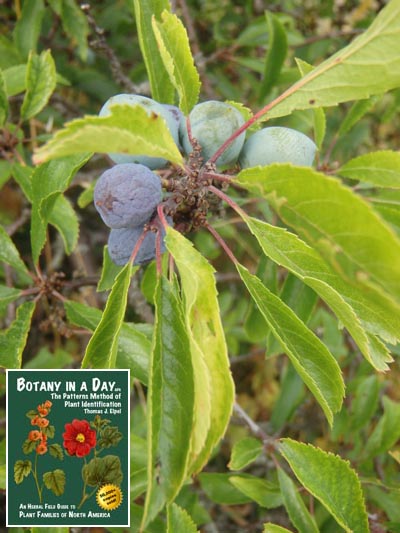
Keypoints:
(127, 194)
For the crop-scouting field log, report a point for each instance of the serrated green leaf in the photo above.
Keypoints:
(319, 117)
(47, 183)
(15, 79)
(56, 451)
(9, 53)
(274, 528)
(23, 176)
(101, 351)
(28, 446)
(65, 220)
(291, 395)
(331, 480)
(40, 83)
(362, 311)
(387, 430)
(3, 100)
(295, 507)
(371, 59)
(162, 89)
(219, 489)
(174, 48)
(101, 470)
(13, 339)
(109, 272)
(134, 348)
(310, 357)
(27, 30)
(300, 298)
(7, 295)
(9, 253)
(86, 196)
(333, 219)
(55, 481)
(75, 25)
(381, 169)
(22, 469)
(179, 520)
(170, 398)
(277, 50)
(259, 490)
(5, 172)
(244, 452)
(214, 387)
(365, 403)
(127, 129)
(355, 114)
(109, 436)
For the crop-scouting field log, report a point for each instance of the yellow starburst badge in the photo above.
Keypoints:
(109, 497)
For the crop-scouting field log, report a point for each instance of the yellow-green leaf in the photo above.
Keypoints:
(127, 129)
(369, 65)
(173, 45)
(40, 83)
(312, 360)
(331, 480)
(214, 386)
(101, 352)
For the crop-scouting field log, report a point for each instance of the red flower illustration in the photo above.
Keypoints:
(34, 435)
(79, 439)
(42, 422)
(43, 411)
(41, 449)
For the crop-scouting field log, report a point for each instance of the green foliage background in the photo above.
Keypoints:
(324, 310)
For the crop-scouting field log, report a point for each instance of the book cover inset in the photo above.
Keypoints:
(68, 448)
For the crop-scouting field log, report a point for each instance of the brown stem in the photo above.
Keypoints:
(228, 200)
(255, 429)
(222, 243)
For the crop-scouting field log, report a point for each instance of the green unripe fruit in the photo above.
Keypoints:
(212, 123)
(151, 106)
(277, 145)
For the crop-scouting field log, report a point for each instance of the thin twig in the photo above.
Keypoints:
(100, 44)
(255, 429)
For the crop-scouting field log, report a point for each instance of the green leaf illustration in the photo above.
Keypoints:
(55, 481)
(102, 470)
(56, 451)
(22, 469)
(109, 436)
(28, 446)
